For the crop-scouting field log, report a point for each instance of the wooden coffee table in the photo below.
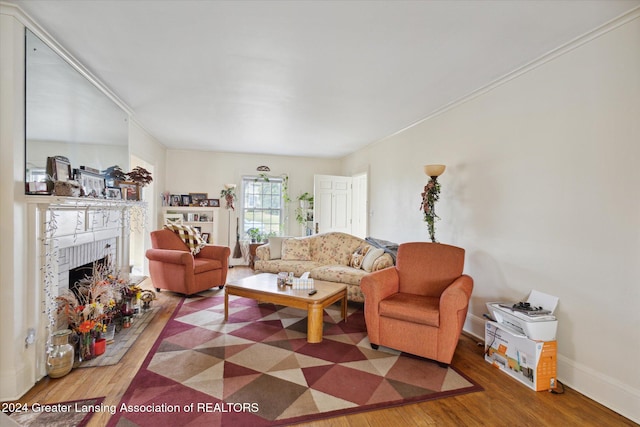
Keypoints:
(263, 287)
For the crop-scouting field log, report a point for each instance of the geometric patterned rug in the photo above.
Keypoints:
(257, 369)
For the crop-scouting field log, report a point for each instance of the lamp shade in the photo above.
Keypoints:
(434, 170)
(229, 186)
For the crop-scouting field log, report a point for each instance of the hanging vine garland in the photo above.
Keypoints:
(430, 196)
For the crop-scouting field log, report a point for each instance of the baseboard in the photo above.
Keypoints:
(605, 390)
(13, 384)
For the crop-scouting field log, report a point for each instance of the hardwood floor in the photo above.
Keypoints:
(504, 402)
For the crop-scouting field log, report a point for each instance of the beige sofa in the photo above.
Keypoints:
(332, 257)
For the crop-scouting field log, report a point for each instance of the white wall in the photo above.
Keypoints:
(542, 189)
(207, 172)
(152, 156)
(17, 367)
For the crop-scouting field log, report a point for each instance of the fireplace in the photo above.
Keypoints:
(76, 263)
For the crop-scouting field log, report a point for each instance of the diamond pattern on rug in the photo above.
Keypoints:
(258, 368)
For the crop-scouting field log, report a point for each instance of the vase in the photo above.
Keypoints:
(86, 347)
(110, 334)
(100, 346)
(60, 356)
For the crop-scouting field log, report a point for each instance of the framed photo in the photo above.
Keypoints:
(186, 200)
(205, 237)
(173, 218)
(198, 229)
(59, 168)
(175, 200)
(92, 183)
(113, 193)
(213, 203)
(196, 198)
(130, 190)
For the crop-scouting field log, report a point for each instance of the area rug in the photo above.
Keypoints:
(74, 413)
(257, 369)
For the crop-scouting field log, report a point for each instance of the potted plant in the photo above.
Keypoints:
(140, 176)
(254, 234)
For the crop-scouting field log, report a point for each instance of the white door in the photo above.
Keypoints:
(360, 206)
(332, 203)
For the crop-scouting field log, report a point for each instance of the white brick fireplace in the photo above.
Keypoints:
(66, 233)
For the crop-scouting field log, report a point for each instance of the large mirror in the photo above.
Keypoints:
(67, 115)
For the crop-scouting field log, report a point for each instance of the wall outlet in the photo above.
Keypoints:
(552, 383)
(31, 337)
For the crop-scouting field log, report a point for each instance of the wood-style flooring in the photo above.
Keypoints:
(504, 402)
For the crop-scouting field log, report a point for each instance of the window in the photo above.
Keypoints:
(262, 205)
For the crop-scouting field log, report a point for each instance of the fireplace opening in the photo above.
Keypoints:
(78, 274)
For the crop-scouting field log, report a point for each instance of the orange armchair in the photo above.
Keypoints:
(419, 305)
(173, 267)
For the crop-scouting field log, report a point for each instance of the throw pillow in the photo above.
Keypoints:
(358, 256)
(275, 247)
(189, 235)
(370, 258)
(296, 250)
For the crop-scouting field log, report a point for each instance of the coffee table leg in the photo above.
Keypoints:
(314, 323)
(226, 304)
(344, 307)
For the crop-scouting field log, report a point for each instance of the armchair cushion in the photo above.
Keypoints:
(200, 265)
(412, 308)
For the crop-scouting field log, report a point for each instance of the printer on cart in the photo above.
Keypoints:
(533, 318)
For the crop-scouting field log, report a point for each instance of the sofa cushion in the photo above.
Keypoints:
(275, 247)
(296, 250)
(371, 257)
(338, 273)
(358, 256)
(334, 248)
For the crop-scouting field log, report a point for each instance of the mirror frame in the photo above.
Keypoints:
(68, 108)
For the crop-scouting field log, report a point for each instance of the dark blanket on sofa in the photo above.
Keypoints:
(389, 247)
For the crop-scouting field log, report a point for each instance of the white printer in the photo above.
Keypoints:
(533, 318)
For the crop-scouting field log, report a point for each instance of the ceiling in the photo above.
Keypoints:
(305, 78)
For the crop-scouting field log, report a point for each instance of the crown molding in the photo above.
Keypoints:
(20, 15)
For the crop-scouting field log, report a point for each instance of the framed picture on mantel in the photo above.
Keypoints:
(130, 190)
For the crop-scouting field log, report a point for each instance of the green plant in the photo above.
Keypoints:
(301, 211)
(229, 196)
(430, 196)
(254, 234)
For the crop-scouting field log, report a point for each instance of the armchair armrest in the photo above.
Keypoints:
(170, 256)
(454, 304)
(456, 296)
(377, 286)
(380, 284)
